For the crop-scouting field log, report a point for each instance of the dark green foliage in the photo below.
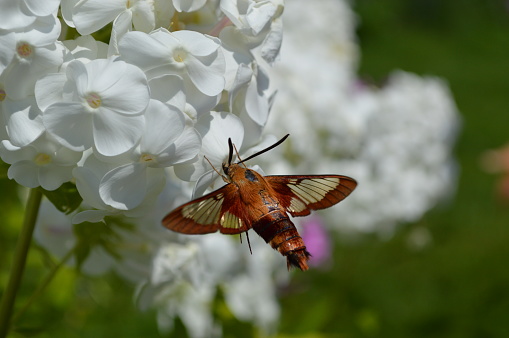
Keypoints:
(66, 198)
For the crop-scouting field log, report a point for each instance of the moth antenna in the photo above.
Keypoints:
(265, 150)
(238, 155)
(230, 153)
(224, 178)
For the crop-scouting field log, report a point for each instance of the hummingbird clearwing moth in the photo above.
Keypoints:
(250, 200)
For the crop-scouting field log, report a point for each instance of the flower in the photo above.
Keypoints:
(43, 163)
(193, 56)
(28, 54)
(95, 110)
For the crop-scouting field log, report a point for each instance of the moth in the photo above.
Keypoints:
(252, 201)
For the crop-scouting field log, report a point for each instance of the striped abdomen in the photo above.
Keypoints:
(276, 229)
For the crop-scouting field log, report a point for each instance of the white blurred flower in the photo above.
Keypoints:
(395, 141)
(43, 163)
(98, 104)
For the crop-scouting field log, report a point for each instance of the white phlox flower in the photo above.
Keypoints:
(36, 54)
(193, 56)
(101, 105)
(44, 163)
(26, 55)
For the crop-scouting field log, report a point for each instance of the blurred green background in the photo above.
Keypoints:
(456, 286)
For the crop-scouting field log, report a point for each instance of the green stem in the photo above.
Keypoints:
(43, 285)
(20, 256)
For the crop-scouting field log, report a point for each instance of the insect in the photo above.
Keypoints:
(250, 200)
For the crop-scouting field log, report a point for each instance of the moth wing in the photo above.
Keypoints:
(219, 210)
(301, 194)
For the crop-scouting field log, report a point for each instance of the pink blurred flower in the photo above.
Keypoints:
(317, 241)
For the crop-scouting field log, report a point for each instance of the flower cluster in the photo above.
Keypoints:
(130, 121)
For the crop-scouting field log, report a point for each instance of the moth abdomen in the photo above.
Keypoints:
(277, 230)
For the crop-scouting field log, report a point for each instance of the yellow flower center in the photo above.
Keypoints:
(24, 49)
(93, 100)
(42, 159)
(179, 55)
(147, 158)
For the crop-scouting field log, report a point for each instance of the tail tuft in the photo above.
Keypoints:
(298, 258)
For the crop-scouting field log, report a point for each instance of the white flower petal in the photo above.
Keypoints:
(185, 148)
(130, 94)
(42, 8)
(197, 43)
(8, 43)
(204, 183)
(115, 134)
(121, 25)
(25, 173)
(48, 90)
(163, 125)
(77, 75)
(87, 184)
(70, 125)
(257, 103)
(271, 46)
(206, 76)
(169, 89)
(92, 216)
(53, 176)
(124, 187)
(91, 15)
(188, 5)
(144, 16)
(43, 32)
(215, 139)
(13, 16)
(12, 154)
(66, 9)
(23, 121)
(259, 15)
(144, 50)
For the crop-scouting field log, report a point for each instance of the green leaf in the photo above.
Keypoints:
(102, 234)
(66, 198)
